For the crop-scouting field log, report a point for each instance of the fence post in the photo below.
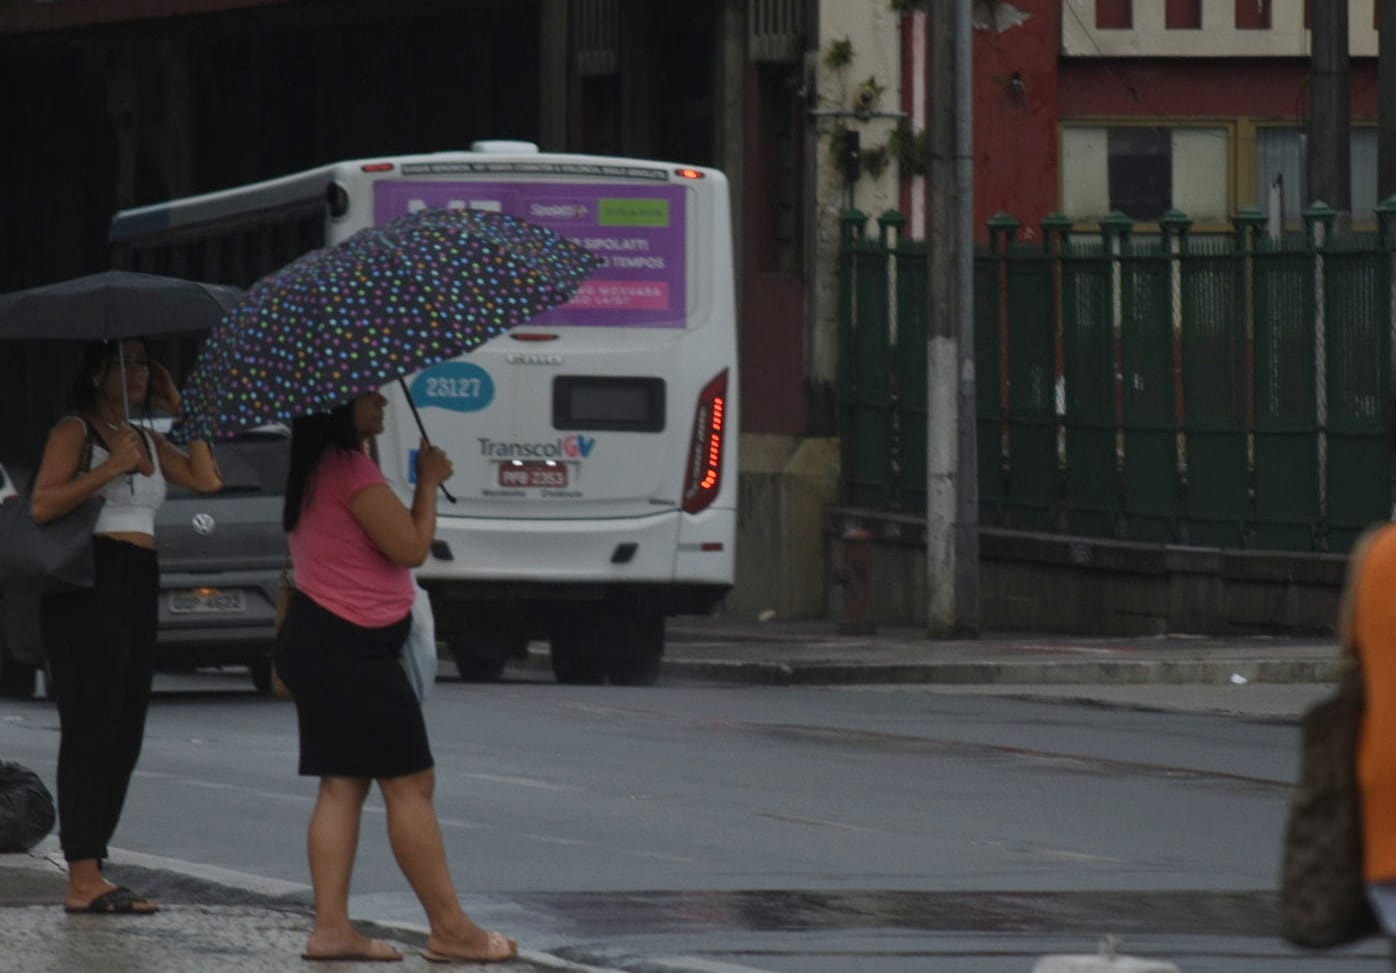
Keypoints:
(1116, 229)
(1386, 241)
(1003, 231)
(992, 341)
(1056, 238)
(1176, 227)
(1318, 230)
(889, 235)
(1249, 226)
(851, 224)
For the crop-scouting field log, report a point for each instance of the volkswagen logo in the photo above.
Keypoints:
(204, 523)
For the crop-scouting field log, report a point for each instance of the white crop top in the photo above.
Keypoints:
(132, 498)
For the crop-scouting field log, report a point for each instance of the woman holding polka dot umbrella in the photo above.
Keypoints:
(312, 344)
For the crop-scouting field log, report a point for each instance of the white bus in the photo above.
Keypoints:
(594, 447)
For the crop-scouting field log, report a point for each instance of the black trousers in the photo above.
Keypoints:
(100, 644)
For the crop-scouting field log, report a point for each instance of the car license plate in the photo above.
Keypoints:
(521, 474)
(201, 601)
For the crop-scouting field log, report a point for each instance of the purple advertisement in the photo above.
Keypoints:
(637, 231)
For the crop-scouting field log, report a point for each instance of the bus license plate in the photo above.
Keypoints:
(552, 475)
(199, 601)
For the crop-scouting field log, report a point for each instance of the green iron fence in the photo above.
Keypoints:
(1217, 390)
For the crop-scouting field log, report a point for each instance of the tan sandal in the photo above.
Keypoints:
(501, 948)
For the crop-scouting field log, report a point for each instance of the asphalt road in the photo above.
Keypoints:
(780, 829)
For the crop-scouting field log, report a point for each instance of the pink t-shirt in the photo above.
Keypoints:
(336, 562)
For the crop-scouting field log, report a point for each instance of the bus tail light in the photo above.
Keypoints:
(703, 478)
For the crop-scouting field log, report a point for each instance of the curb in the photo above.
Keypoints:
(1130, 672)
(1170, 673)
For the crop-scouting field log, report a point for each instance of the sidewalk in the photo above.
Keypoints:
(813, 653)
(259, 934)
(1260, 678)
(1253, 677)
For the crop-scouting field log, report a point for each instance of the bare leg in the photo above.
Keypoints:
(415, 835)
(332, 844)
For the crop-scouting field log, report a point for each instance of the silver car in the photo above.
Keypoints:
(221, 558)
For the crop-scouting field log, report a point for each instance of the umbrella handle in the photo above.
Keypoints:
(416, 415)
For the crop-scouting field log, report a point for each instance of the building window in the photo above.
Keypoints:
(780, 142)
(1282, 173)
(1183, 15)
(1114, 14)
(1252, 14)
(1140, 170)
(1144, 171)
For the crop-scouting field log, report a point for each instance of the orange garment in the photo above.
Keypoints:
(1375, 630)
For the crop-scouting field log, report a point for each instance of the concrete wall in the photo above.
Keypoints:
(872, 27)
(785, 486)
(1089, 586)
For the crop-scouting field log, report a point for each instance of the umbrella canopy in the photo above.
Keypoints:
(386, 302)
(114, 304)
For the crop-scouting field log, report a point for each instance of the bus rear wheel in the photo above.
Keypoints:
(622, 644)
(579, 646)
(636, 649)
(481, 660)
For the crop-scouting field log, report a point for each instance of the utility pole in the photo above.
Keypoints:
(1330, 173)
(952, 515)
(1386, 102)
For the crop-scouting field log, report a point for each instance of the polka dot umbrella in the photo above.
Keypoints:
(387, 302)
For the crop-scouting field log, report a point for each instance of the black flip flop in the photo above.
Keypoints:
(120, 901)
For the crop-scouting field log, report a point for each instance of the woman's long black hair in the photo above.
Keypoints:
(310, 437)
(98, 357)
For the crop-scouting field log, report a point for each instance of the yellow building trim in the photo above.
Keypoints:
(1227, 123)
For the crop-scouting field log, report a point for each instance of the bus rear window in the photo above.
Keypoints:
(622, 404)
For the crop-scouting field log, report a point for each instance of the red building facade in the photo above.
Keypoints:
(1088, 106)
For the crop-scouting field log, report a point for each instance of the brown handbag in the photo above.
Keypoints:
(1323, 892)
(1323, 896)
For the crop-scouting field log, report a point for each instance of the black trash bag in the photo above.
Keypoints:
(26, 808)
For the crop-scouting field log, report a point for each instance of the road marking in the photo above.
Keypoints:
(553, 839)
(534, 782)
(550, 962)
(695, 964)
(1076, 856)
(221, 786)
(818, 822)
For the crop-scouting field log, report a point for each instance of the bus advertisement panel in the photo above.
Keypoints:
(638, 232)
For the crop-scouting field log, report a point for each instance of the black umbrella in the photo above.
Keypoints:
(114, 304)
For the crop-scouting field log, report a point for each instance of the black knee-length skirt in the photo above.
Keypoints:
(357, 714)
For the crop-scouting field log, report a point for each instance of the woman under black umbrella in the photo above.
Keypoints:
(100, 640)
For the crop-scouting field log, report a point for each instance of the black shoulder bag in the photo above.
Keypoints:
(48, 557)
